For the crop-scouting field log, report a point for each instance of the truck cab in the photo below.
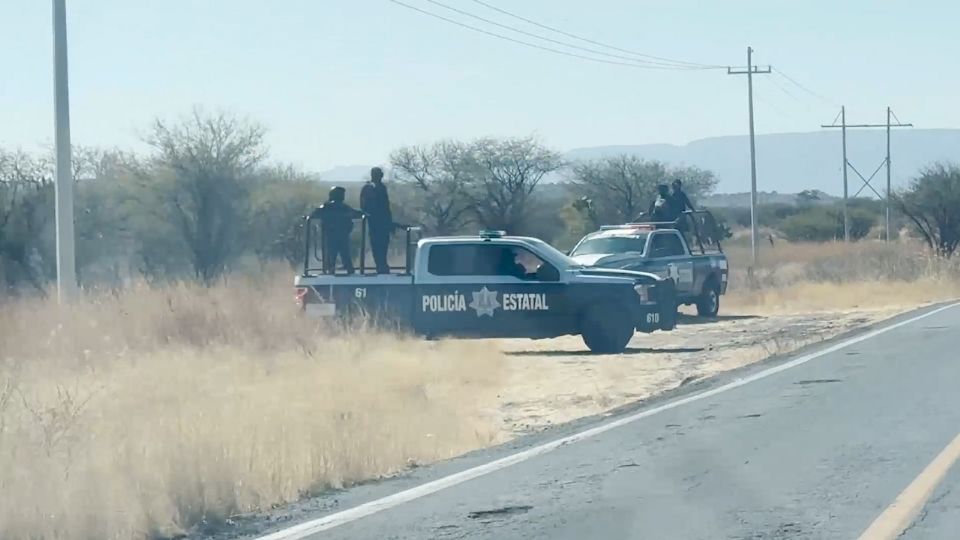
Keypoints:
(493, 285)
(694, 261)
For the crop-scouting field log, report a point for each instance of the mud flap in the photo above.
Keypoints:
(662, 314)
(667, 304)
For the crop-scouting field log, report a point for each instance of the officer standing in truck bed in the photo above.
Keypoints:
(336, 223)
(375, 203)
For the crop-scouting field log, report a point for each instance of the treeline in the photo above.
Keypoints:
(817, 220)
(207, 199)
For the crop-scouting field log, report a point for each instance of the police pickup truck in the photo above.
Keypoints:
(493, 285)
(693, 259)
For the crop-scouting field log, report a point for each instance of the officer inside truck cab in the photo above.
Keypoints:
(509, 265)
(336, 223)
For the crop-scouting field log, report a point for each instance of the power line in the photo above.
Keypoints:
(525, 43)
(773, 106)
(780, 87)
(671, 64)
(594, 42)
(804, 88)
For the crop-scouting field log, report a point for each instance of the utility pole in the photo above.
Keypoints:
(846, 216)
(886, 227)
(866, 180)
(66, 259)
(750, 72)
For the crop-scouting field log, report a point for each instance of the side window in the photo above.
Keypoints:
(457, 260)
(666, 245)
(489, 260)
(532, 266)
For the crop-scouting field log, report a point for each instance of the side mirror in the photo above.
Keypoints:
(548, 272)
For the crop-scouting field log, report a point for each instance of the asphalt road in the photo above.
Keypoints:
(819, 450)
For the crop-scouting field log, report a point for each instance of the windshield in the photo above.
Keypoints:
(554, 253)
(611, 244)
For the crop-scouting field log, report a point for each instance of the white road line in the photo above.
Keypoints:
(308, 528)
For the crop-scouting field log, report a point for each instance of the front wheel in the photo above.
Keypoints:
(605, 330)
(708, 303)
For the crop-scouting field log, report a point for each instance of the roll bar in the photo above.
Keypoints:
(315, 249)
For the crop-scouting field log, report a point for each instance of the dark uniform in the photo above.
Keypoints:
(680, 200)
(680, 204)
(662, 209)
(336, 223)
(375, 203)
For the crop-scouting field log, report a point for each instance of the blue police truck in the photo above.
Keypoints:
(688, 251)
(490, 286)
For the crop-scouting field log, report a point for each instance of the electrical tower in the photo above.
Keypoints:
(750, 72)
(843, 126)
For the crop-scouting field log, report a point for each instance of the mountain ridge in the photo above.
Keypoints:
(786, 162)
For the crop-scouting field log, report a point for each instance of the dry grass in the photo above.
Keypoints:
(833, 276)
(142, 413)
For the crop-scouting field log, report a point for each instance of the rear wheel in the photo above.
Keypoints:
(605, 330)
(708, 303)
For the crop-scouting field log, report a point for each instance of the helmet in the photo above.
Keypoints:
(337, 193)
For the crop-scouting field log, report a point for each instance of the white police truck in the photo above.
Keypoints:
(687, 251)
(492, 285)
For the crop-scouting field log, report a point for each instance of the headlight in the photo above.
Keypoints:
(643, 291)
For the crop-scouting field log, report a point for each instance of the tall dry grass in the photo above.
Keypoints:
(814, 276)
(141, 413)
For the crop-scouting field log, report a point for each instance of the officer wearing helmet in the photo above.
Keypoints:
(336, 223)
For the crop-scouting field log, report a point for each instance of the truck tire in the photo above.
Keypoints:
(708, 303)
(605, 330)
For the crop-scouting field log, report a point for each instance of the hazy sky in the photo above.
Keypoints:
(340, 82)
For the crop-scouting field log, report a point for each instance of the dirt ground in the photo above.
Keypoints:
(557, 380)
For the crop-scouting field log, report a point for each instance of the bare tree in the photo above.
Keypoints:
(617, 189)
(506, 173)
(209, 160)
(442, 174)
(932, 204)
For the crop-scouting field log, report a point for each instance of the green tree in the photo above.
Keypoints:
(932, 204)
(26, 203)
(821, 224)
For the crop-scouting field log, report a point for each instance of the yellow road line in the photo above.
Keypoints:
(901, 513)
